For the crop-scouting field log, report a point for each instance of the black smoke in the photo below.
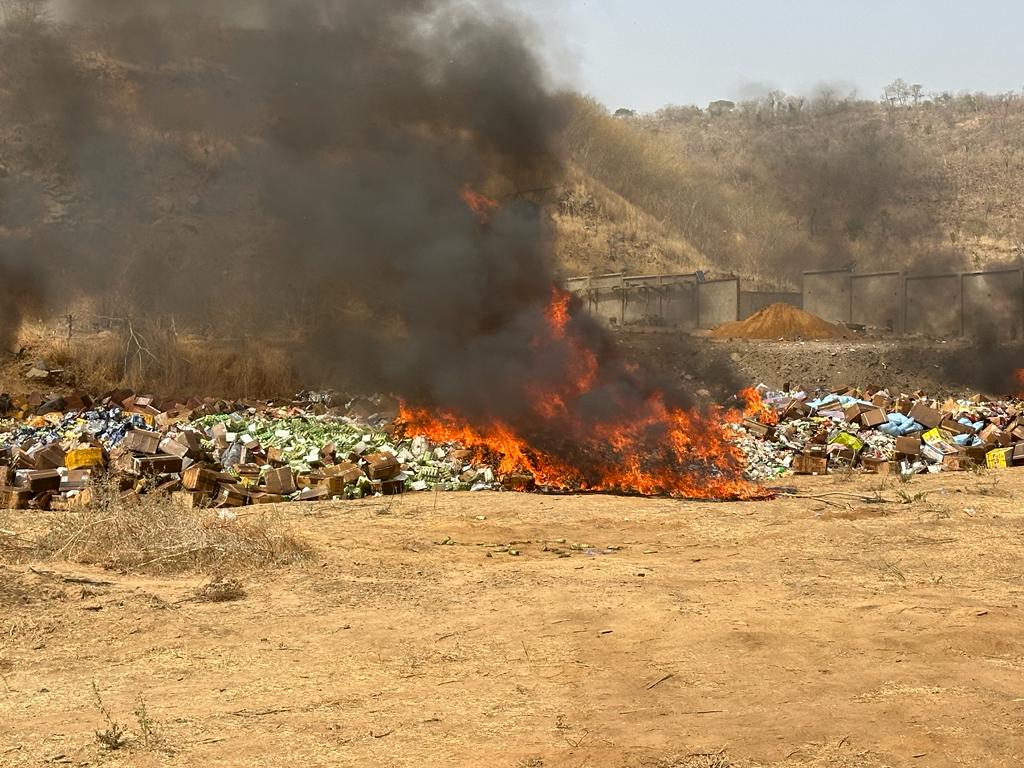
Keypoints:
(265, 166)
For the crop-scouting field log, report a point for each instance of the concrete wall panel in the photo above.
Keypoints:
(877, 300)
(993, 303)
(679, 304)
(933, 305)
(718, 301)
(827, 295)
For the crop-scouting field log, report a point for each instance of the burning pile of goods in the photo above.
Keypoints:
(230, 454)
(879, 432)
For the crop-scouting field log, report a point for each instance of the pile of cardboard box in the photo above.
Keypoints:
(881, 432)
(217, 453)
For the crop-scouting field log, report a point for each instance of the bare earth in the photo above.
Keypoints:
(790, 633)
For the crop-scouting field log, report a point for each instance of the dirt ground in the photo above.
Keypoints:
(904, 364)
(625, 632)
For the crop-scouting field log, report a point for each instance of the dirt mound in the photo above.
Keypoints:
(779, 321)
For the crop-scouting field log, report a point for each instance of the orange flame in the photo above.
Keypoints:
(756, 409)
(481, 205)
(656, 449)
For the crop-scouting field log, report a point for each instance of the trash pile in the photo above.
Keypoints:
(224, 454)
(878, 432)
(221, 454)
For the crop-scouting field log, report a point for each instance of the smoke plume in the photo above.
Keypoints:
(261, 166)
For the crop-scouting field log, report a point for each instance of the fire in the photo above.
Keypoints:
(648, 447)
(481, 205)
(1019, 378)
(756, 409)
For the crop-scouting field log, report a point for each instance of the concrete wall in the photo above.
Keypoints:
(679, 302)
(641, 300)
(754, 301)
(877, 300)
(718, 301)
(993, 302)
(827, 295)
(933, 306)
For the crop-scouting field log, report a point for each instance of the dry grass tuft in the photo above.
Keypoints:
(220, 590)
(152, 358)
(150, 534)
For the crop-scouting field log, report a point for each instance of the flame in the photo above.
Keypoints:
(481, 205)
(1019, 378)
(651, 448)
(756, 409)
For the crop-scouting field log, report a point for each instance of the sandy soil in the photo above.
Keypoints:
(626, 632)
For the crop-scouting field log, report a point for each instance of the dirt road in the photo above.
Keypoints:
(625, 632)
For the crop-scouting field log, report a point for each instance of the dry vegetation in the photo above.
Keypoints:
(151, 534)
(781, 184)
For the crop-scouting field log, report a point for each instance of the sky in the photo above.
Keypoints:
(644, 54)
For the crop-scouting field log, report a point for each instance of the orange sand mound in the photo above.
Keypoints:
(779, 321)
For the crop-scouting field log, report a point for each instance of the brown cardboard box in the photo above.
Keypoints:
(40, 480)
(810, 465)
(908, 446)
(142, 441)
(519, 481)
(50, 457)
(993, 435)
(162, 464)
(382, 466)
(954, 426)
(347, 470)
(280, 481)
(877, 466)
(14, 498)
(191, 499)
(197, 478)
(758, 429)
(872, 417)
(852, 412)
(231, 495)
(925, 415)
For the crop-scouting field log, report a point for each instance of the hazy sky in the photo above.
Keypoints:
(644, 54)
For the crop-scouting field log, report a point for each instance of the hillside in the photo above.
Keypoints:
(780, 185)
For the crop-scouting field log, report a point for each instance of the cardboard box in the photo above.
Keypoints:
(758, 429)
(14, 498)
(993, 435)
(873, 417)
(382, 466)
(197, 478)
(231, 495)
(42, 480)
(50, 457)
(908, 446)
(350, 472)
(926, 416)
(142, 441)
(878, 466)
(85, 458)
(955, 427)
(161, 464)
(519, 481)
(1000, 458)
(280, 481)
(810, 465)
(191, 499)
